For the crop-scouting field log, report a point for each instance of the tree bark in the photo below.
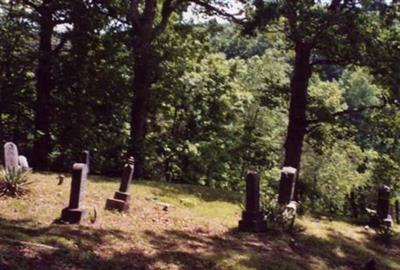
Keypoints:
(44, 86)
(143, 77)
(81, 41)
(297, 112)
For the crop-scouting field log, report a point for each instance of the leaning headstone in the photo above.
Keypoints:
(287, 185)
(10, 155)
(23, 163)
(121, 199)
(75, 210)
(252, 217)
(85, 158)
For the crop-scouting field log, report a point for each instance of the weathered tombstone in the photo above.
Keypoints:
(287, 185)
(382, 209)
(252, 217)
(23, 163)
(10, 155)
(121, 198)
(85, 159)
(75, 211)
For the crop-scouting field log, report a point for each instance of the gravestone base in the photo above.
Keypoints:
(72, 215)
(119, 205)
(122, 196)
(252, 222)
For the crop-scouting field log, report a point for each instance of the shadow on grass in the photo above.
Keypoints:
(73, 247)
(78, 248)
(273, 251)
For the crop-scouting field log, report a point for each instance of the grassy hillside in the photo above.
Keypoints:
(170, 227)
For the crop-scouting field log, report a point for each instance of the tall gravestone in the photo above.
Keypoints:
(10, 155)
(383, 205)
(75, 210)
(287, 185)
(121, 199)
(252, 217)
(85, 158)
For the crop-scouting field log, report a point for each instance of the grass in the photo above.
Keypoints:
(196, 231)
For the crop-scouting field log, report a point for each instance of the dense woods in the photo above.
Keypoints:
(311, 85)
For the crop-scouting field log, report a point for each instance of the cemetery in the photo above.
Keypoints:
(150, 225)
(199, 134)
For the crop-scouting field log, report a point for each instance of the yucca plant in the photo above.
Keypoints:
(14, 182)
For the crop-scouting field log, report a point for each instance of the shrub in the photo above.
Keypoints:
(14, 182)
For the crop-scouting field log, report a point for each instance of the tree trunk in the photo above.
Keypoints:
(143, 78)
(297, 114)
(81, 42)
(44, 86)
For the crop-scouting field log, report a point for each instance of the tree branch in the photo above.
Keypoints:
(324, 62)
(348, 112)
(31, 4)
(167, 9)
(60, 45)
(149, 11)
(217, 11)
(134, 14)
(334, 6)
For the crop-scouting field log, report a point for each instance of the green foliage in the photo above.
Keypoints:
(386, 171)
(14, 182)
(359, 88)
(17, 71)
(326, 98)
(330, 175)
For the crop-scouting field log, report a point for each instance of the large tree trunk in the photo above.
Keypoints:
(81, 42)
(44, 86)
(143, 78)
(297, 116)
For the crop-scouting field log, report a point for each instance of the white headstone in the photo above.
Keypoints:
(10, 155)
(289, 170)
(23, 162)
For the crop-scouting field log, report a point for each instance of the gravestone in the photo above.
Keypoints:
(287, 185)
(383, 205)
(10, 155)
(252, 217)
(85, 159)
(75, 210)
(121, 199)
(23, 163)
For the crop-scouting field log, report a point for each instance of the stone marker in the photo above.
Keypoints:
(85, 159)
(252, 217)
(23, 163)
(75, 211)
(121, 198)
(287, 185)
(10, 155)
(382, 209)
